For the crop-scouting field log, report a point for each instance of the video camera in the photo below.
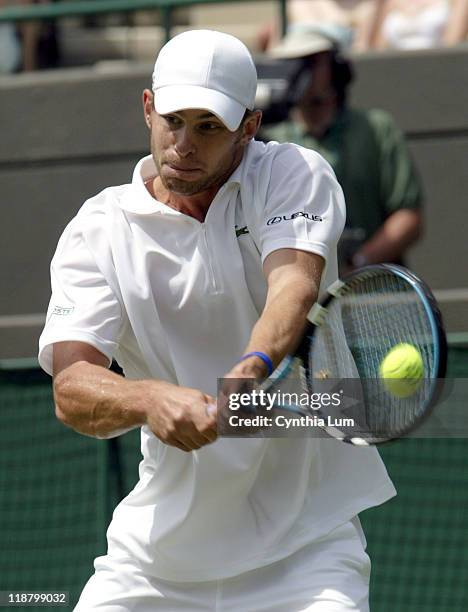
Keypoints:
(281, 85)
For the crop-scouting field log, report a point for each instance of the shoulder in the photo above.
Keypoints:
(100, 204)
(283, 157)
(275, 171)
(385, 132)
(375, 118)
(381, 120)
(92, 219)
(284, 131)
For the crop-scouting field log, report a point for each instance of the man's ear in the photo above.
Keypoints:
(251, 126)
(148, 106)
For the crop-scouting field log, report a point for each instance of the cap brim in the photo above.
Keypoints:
(172, 98)
(293, 47)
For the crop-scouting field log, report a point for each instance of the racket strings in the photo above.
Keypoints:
(395, 317)
(377, 312)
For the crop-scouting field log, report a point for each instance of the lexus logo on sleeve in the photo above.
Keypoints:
(309, 216)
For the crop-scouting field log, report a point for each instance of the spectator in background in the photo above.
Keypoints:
(366, 150)
(28, 45)
(419, 24)
(10, 45)
(10, 49)
(347, 21)
(40, 45)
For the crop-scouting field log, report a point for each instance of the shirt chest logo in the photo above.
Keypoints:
(240, 231)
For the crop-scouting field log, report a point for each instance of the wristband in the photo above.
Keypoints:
(263, 356)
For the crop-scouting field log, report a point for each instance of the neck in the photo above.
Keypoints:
(195, 206)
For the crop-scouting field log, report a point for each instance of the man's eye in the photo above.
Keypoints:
(172, 120)
(209, 126)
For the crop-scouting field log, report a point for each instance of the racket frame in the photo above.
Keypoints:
(317, 315)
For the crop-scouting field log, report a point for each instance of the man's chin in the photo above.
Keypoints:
(180, 187)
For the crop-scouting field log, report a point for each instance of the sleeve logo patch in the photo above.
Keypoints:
(62, 311)
(310, 217)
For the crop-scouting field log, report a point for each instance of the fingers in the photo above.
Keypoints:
(202, 430)
(187, 419)
(180, 445)
(190, 440)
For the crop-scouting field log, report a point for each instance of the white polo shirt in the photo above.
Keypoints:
(175, 299)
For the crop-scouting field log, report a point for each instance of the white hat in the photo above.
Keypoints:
(205, 69)
(301, 42)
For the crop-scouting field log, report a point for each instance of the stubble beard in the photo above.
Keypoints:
(190, 188)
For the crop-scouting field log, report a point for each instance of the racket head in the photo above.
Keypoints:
(362, 318)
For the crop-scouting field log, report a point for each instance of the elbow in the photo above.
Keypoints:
(59, 396)
(74, 408)
(417, 229)
(68, 401)
(60, 414)
(64, 416)
(61, 389)
(404, 228)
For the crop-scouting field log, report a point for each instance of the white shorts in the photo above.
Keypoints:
(329, 575)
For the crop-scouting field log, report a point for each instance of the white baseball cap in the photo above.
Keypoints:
(208, 70)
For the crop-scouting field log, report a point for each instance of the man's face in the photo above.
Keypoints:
(319, 104)
(193, 150)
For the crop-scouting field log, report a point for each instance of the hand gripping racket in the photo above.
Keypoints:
(359, 322)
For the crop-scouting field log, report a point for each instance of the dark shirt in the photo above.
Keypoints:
(371, 161)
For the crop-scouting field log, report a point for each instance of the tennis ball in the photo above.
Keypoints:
(402, 370)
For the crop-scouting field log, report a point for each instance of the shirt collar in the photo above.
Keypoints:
(138, 200)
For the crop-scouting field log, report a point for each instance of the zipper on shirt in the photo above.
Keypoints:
(215, 284)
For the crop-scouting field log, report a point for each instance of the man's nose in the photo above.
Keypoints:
(184, 142)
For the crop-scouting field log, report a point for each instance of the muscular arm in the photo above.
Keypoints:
(293, 279)
(96, 402)
(99, 403)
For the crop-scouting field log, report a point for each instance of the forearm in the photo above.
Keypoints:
(390, 242)
(96, 402)
(293, 279)
(279, 329)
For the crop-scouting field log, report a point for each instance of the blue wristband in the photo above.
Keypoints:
(263, 356)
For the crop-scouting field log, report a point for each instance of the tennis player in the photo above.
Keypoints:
(205, 266)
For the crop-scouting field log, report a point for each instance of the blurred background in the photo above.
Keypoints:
(71, 77)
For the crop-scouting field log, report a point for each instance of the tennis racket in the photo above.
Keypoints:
(349, 334)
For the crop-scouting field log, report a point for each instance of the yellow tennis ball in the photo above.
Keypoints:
(402, 370)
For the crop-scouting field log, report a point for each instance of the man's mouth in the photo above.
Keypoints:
(182, 168)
